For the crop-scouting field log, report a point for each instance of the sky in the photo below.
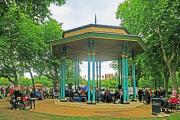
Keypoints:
(76, 13)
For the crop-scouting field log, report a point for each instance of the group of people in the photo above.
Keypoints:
(81, 95)
(5, 90)
(170, 100)
(23, 96)
(146, 94)
(108, 96)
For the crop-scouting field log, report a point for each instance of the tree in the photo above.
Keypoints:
(157, 22)
(9, 65)
(48, 65)
(36, 9)
(30, 44)
(24, 40)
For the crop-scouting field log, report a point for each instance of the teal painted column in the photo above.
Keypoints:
(78, 73)
(97, 75)
(93, 73)
(75, 74)
(119, 72)
(63, 73)
(134, 80)
(126, 75)
(89, 72)
(60, 80)
(64, 80)
(123, 78)
(100, 75)
(134, 76)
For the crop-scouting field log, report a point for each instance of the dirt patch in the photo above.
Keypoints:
(78, 110)
(48, 106)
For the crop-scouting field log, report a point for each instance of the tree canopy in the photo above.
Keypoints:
(24, 40)
(36, 9)
(158, 23)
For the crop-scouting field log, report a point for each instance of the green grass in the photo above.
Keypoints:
(27, 115)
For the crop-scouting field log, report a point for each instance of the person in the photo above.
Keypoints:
(83, 95)
(119, 97)
(174, 92)
(52, 93)
(71, 95)
(17, 93)
(17, 97)
(3, 91)
(98, 95)
(56, 93)
(11, 91)
(77, 96)
(140, 94)
(33, 98)
(115, 96)
(147, 96)
(107, 96)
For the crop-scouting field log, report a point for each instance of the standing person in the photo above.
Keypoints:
(17, 96)
(3, 91)
(147, 96)
(52, 93)
(0, 93)
(33, 98)
(174, 92)
(11, 91)
(121, 95)
(140, 94)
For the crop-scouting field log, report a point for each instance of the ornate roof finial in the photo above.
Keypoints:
(95, 19)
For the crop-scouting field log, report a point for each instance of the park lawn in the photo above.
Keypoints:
(7, 114)
(28, 115)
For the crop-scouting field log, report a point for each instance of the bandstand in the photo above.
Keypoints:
(98, 43)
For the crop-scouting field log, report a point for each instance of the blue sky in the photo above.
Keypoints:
(77, 13)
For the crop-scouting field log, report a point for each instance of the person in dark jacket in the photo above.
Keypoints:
(140, 94)
(71, 95)
(33, 98)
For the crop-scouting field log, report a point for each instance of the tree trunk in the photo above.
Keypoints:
(16, 80)
(168, 59)
(10, 80)
(55, 82)
(32, 78)
(166, 79)
(173, 78)
(166, 85)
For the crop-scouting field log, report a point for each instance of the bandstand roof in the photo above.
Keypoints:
(108, 42)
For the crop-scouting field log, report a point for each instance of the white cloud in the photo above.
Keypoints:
(76, 13)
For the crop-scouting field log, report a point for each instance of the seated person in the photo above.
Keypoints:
(164, 105)
(77, 96)
(119, 97)
(71, 95)
(83, 96)
(107, 96)
(38, 95)
(98, 95)
(173, 100)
